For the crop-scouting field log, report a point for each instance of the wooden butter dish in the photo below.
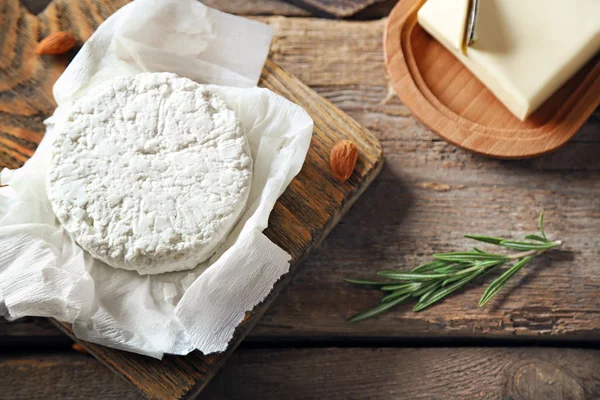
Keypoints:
(451, 101)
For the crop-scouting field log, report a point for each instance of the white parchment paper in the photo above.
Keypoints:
(45, 273)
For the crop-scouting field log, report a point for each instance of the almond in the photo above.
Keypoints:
(343, 159)
(56, 43)
(79, 348)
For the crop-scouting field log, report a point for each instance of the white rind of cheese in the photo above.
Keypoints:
(526, 49)
(150, 173)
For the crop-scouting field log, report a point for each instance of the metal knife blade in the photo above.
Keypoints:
(471, 27)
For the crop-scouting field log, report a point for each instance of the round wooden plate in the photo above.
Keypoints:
(447, 98)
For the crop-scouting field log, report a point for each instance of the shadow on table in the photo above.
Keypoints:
(528, 275)
(370, 229)
(581, 153)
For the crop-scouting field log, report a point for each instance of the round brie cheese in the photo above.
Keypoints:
(150, 173)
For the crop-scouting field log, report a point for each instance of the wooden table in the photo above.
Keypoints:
(539, 340)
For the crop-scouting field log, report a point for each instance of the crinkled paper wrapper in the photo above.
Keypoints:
(45, 273)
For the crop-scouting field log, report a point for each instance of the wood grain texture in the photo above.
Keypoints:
(392, 373)
(427, 196)
(310, 207)
(335, 373)
(30, 333)
(335, 8)
(60, 376)
(446, 97)
(26, 79)
(239, 7)
(257, 7)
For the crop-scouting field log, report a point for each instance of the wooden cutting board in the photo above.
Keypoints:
(303, 216)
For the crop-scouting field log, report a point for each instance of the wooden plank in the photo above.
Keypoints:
(426, 178)
(239, 7)
(29, 333)
(257, 7)
(68, 375)
(335, 8)
(330, 53)
(393, 373)
(557, 299)
(429, 194)
(420, 196)
(310, 207)
(376, 9)
(335, 373)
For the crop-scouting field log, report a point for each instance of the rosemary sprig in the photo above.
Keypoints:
(447, 272)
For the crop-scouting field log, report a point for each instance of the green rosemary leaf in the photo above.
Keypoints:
(440, 294)
(366, 283)
(429, 266)
(452, 279)
(461, 274)
(393, 288)
(383, 307)
(473, 270)
(408, 276)
(401, 292)
(536, 238)
(429, 293)
(392, 296)
(524, 246)
(424, 289)
(447, 272)
(499, 283)
(485, 239)
(541, 225)
(445, 291)
(468, 256)
(449, 269)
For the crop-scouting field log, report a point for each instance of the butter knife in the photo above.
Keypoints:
(471, 27)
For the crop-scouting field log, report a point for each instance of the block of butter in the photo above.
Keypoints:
(525, 49)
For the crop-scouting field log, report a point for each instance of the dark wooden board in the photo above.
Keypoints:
(239, 7)
(313, 203)
(257, 7)
(335, 8)
(335, 374)
(60, 375)
(249, 8)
